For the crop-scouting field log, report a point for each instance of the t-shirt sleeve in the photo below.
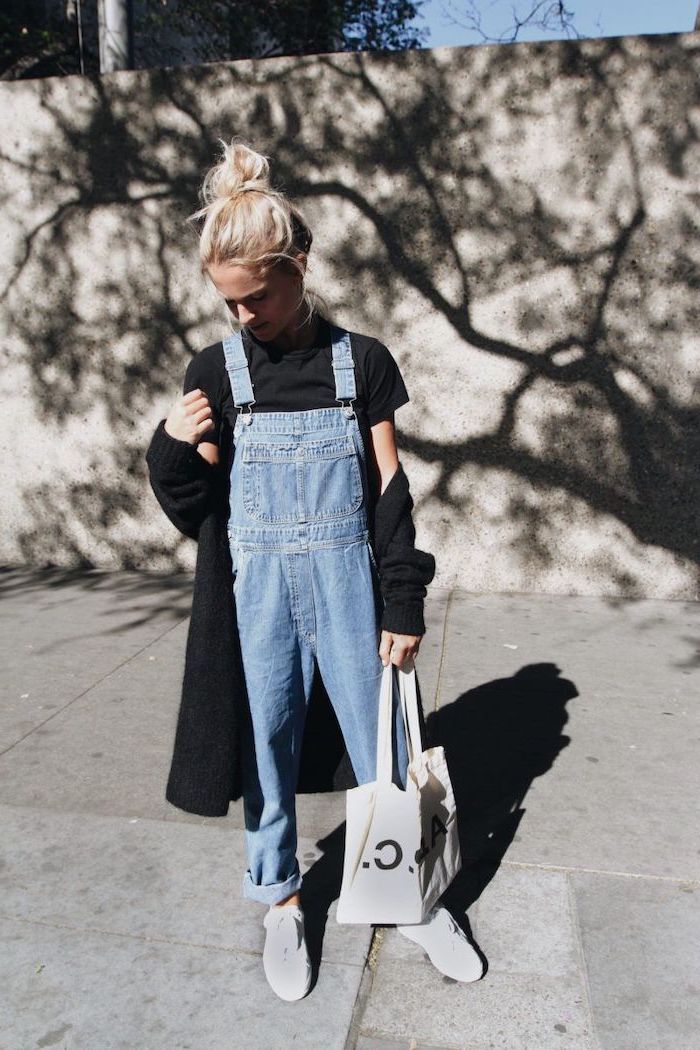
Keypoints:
(202, 374)
(386, 390)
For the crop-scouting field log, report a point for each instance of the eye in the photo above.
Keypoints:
(257, 298)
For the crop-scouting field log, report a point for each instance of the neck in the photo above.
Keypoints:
(293, 338)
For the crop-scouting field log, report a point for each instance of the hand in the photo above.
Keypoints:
(190, 417)
(399, 649)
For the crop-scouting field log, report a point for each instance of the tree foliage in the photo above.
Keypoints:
(38, 39)
(230, 29)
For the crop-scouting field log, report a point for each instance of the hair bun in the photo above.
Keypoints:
(240, 169)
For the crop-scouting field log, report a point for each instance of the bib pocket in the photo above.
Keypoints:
(301, 480)
(269, 475)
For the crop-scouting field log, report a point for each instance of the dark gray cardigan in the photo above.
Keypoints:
(194, 494)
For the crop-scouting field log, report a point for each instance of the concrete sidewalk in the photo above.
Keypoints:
(571, 728)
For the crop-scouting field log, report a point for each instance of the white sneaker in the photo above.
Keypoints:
(446, 944)
(285, 955)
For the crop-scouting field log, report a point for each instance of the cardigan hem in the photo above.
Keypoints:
(199, 805)
(404, 618)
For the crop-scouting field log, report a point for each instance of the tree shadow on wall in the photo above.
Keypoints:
(421, 158)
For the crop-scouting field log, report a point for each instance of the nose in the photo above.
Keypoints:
(244, 315)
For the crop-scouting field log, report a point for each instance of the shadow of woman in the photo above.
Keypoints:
(497, 737)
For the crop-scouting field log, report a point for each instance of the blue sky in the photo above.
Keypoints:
(591, 17)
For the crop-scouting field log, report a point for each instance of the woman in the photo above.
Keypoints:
(310, 409)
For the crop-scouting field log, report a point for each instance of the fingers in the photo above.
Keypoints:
(385, 648)
(190, 417)
(400, 650)
(403, 658)
(194, 401)
(202, 414)
(197, 407)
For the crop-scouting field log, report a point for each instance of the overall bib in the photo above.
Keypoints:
(306, 588)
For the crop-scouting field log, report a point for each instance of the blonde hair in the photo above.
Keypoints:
(246, 222)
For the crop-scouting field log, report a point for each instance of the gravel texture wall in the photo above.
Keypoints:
(518, 223)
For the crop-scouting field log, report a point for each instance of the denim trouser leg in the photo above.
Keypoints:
(347, 650)
(278, 667)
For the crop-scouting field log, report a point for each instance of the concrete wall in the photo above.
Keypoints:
(518, 224)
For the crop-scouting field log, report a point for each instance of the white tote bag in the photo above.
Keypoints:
(401, 847)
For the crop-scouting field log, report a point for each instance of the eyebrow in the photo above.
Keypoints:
(256, 291)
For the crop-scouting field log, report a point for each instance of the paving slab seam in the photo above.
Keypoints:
(581, 961)
(235, 950)
(618, 599)
(600, 871)
(364, 989)
(93, 685)
(443, 650)
(128, 936)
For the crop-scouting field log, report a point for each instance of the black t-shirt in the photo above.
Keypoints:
(297, 380)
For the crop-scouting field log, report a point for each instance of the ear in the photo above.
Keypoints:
(303, 260)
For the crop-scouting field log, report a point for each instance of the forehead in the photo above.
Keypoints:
(235, 281)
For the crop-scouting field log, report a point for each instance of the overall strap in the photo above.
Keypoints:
(343, 365)
(238, 371)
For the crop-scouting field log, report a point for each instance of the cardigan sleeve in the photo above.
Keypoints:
(182, 480)
(404, 570)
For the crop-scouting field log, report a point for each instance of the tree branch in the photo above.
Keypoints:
(549, 15)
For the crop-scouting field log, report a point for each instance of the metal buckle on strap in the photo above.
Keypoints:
(246, 417)
(347, 409)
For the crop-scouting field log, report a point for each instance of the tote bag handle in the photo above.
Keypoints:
(384, 727)
(409, 707)
(408, 699)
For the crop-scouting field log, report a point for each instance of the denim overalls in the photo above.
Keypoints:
(306, 586)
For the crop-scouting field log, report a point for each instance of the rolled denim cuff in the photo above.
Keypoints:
(274, 893)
